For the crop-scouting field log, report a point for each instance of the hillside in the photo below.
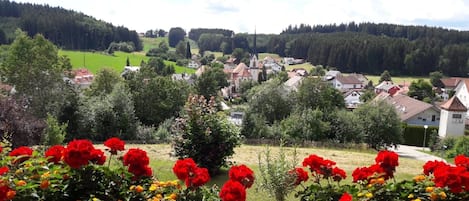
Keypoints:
(65, 28)
(94, 61)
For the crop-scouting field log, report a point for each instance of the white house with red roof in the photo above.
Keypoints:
(82, 77)
(452, 118)
(346, 83)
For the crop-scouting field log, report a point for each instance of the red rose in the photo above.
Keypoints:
(136, 157)
(430, 166)
(450, 177)
(54, 154)
(183, 167)
(338, 174)
(140, 171)
(233, 191)
(242, 174)
(319, 165)
(78, 153)
(97, 157)
(4, 170)
(462, 161)
(300, 174)
(199, 178)
(115, 144)
(23, 153)
(365, 173)
(4, 188)
(387, 158)
(346, 197)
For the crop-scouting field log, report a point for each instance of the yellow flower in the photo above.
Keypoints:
(173, 196)
(21, 183)
(410, 196)
(175, 183)
(380, 180)
(416, 199)
(45, 175)
(139, 189)
(19, 171)
(369, 185)
(419, 178)
(360, 194)
(153, 187)
(96, 199)
(369, 195)
(132, 187)
(442, 195)
(429, 189)
(433, 196)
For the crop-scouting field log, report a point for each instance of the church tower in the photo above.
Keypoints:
(253, 61)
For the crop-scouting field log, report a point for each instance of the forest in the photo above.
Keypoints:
(65, 28)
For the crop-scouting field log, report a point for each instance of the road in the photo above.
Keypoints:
(415, 153)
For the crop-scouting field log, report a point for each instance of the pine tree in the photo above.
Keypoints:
(188, 51)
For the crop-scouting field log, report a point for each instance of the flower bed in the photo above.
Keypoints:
(79, 171)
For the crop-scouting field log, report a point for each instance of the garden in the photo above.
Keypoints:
(80, 171)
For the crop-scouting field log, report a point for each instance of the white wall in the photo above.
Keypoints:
(450, 127)
(425, 118)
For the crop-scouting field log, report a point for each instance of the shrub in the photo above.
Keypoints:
(146, 133)
(274, 173)
(204, 135)
(413, 135)
(460, 147)
(54, 133)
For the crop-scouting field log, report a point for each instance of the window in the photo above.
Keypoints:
(433, 117)
(457, 116)
(424, 119)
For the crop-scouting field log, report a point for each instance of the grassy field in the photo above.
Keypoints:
(149, 43)
(306, 66)
(162, 163)
(97, 60)
(397, 80)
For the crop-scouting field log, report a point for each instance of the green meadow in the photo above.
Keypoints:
(94, 61)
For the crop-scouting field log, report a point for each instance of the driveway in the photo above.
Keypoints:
(415, 153)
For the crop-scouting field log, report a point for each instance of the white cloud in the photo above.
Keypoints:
(268, 16)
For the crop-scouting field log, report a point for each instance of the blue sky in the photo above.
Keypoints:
(267, 16)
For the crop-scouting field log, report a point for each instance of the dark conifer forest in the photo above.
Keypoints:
(65, 28)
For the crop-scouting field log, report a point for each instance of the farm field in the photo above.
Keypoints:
(96, 60)
(162, 163)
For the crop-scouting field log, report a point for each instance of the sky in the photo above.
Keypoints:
(267, 16)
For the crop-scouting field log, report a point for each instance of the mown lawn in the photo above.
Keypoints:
(397, 79)
(94, 61)
(162, 163)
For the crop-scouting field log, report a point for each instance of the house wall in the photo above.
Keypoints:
(462, 94)
(449, 126)
(429, 117)
(352, 98)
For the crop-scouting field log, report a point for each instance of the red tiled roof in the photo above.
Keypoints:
(406, 107)
(451, 82)
(454, 104)
(240, 68)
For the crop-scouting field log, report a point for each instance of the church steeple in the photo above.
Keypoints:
(255, 45)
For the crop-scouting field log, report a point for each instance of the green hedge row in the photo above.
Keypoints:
(413, 135)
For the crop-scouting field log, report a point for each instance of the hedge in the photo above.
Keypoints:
(413, 135)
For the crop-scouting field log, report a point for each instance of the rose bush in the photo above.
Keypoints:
(76, 172)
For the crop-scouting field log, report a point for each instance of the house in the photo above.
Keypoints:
(194, 64)
(345, 83)
(200, 70)
(410, 110)
(388, 87)
(189, 79)
(292, 61)
(452, 118)
(293, 83)
(360, 77)
(82, 77)
(300, 71)
(128, 69)
(331, 75)
(352, 98)
(239, 74)
(462, 92)
(450, 83)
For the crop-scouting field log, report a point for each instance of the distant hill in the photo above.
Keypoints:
(65, 28)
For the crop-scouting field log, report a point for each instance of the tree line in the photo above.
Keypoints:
(66, 29)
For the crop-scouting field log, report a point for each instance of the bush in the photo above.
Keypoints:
(54, 133)
(163, 134)
(146, 133)
(204, 135)
(460, 147)
(274, 177)
(413, 135)
(76, 172)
